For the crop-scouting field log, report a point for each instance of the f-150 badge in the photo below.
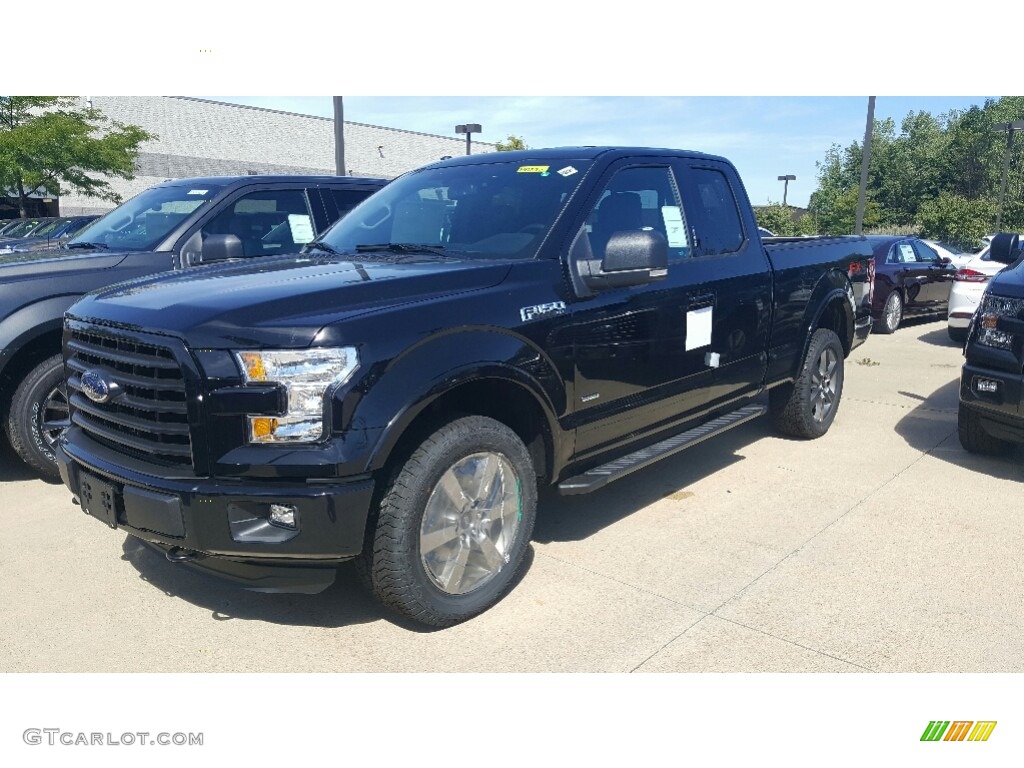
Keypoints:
(528, 313)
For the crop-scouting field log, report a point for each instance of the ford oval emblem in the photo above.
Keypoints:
(97, 388)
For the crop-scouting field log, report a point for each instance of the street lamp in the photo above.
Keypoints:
(1009, 128)
(785, 187)
(469, 129)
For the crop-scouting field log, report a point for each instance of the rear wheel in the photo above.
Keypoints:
(807, 407)
(892, 313)
(974, 438)
(39, 414)
(454, 524)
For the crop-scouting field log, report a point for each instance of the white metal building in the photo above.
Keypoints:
(198, 137)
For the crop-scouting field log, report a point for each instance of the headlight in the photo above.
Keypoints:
(989, 312)
(306, 375)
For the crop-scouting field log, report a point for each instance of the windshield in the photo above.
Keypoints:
(22, 228)
(145, 220)
(487, 211)
(49, 227)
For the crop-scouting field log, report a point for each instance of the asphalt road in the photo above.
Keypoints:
(883, 546)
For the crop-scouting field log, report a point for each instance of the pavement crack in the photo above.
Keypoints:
(855, 505)
(667, 644)
(623, 583)
(794, 642)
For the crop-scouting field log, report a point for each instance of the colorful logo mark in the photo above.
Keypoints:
(958, 730)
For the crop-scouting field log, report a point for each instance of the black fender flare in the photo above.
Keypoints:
(833, 285)
(430, 369)
(28, 323)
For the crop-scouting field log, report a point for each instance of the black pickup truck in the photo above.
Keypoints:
(174, 225)
(991, 416)
(480, 327)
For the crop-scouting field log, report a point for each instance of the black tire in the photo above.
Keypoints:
(975, 439)
(392, 563)
(37, 403)
(798, 409)
(892, 314)
(959, 335)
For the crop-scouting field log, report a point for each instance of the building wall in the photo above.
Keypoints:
(197, 137)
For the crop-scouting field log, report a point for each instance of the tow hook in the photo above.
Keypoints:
(179, 555)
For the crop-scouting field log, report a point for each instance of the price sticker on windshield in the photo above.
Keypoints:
(533, 169)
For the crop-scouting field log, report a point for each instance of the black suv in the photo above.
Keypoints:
(991, 418)
(176, 225)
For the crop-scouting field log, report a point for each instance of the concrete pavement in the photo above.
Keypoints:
(882, 546)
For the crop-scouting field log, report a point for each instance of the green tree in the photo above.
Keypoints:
(52, 144)
(511, 143)
(955, 219)
(776, 218)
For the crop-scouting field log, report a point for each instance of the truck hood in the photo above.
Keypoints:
(51, 262)
(277, 301)
(1009, 282)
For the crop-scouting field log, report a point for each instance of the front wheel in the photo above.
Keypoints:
(454, 524)
(807, 407)
(974, 438)
(39, 414)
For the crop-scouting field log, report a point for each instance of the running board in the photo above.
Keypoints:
(598, 477)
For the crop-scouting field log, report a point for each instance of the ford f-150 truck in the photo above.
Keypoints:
(174, 225)
(478, 328)
(991, 416)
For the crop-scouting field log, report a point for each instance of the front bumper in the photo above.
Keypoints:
(1000, 410)
(221, 527)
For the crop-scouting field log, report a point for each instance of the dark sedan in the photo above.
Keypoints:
(48, 235)
(911, 279)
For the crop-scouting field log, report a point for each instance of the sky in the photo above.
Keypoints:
(764, 136)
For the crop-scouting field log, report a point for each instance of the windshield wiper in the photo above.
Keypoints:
(437, 250)
(320, 245)
(96, 246)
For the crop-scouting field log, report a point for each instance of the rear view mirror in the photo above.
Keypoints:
(1005, 248)
(221, 248)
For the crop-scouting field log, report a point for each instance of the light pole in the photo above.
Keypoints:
(1017, 125)
(865, 161)
(785, 187)
(339, 136)
(469, 129)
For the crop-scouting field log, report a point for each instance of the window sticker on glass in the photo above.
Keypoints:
(907, 252)
(198, 191)
(567, 171)
(674, 229)
(301, 227)
(533, 169)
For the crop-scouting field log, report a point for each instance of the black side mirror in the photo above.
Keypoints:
(222, 248)
(632, 257)
(1005, 248)
(945, 261)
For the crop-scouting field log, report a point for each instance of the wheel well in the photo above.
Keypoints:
(24, 360)
(835, 317)
(502, 401)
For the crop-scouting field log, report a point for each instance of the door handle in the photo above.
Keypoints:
(701, 301)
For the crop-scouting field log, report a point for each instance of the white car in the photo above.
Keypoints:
(954, 254)
(968, 286)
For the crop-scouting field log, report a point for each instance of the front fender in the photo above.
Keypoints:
(394, 394)
(28, 323)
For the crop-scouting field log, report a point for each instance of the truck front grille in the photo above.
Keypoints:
(147, 416)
